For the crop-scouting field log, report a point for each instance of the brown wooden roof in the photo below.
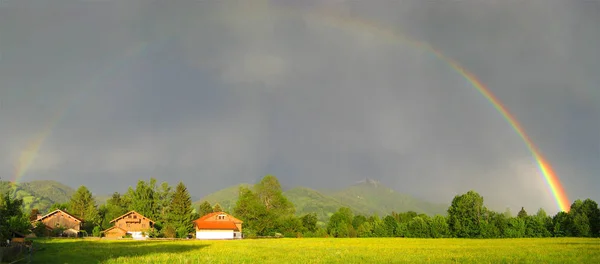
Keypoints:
(56, 211)
(114, 227)
(128, 213)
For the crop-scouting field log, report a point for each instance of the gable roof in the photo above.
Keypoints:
(208, 216)
(131, 212)
(207, 222)
(227, 225)
(114, 227)
(56, 211)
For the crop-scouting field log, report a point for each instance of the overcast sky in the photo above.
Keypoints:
(215, 93)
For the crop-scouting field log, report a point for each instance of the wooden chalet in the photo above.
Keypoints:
(218, 225)
(132, 223)
(70, 224)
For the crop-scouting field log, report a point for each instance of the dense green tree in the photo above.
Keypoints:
(365, 229)
(586, 218)
(404, 217)
(164, 196)
(465, 215)
(205, 208)
(339, 221)
(522, 213)
(83, 205)
(12, 218)
(309, 222)
(515, 228)
(113, 208)
(391, 225)
(290, 226)
(536, 225)
(562, 225)
(418, 227)
(61, 206)
(143, 199)
(271, 196)
(179, 214)
(439, 227)
(254, 214)
(358, 220)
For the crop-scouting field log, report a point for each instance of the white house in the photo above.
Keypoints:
(218, 225)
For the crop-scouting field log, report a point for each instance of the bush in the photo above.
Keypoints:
(97, 232)
(248, 233)
(169, 232)
(40, 230)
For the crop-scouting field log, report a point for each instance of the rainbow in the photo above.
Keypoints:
(550, 177)
(357, 24)
(29, 154)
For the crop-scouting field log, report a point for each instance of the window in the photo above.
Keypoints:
(221, 217)
(128, 225)
(135, 217)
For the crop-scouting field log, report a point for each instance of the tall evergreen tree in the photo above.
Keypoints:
(83, 205)
(522, 213)
(114, 207)
(143, 199)
(205, 208)
(180, 211)
(217, 208)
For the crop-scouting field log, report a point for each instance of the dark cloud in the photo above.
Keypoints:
(215, 93)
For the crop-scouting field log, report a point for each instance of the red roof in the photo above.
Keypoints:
(228, 225)
(206, 217)
(210, 222)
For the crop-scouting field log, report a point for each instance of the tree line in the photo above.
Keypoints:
(267, 212)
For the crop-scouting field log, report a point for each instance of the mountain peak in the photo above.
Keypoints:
(369, 181)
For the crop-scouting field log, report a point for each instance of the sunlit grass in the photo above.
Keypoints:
(322, 250)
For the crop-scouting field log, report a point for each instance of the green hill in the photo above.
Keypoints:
(42, 194)
(367, 198)
(39, 194)
(370, 197)
(226, 198)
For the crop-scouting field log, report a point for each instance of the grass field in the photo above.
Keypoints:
(321, 250)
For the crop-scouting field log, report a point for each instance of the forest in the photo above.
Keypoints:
(266, 212)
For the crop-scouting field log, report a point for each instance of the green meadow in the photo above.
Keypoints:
(320, 250)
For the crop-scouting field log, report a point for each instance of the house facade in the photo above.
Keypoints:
(218, 225)
(70, 224)
(132, 223)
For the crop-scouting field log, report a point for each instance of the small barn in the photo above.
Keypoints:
(70, 224)
(218, 225)
(132, 223)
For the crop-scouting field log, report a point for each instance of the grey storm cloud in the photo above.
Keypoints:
(215, 93)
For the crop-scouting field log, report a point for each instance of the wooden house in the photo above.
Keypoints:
(132, 223)
(70, 224)
(218, 225)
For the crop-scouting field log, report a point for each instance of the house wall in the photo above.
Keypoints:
(61, 219)
(134, 223)
(214, 234)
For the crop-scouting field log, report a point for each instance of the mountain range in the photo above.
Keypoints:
(367, 197)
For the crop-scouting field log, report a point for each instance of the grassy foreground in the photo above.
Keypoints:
(321, 250)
